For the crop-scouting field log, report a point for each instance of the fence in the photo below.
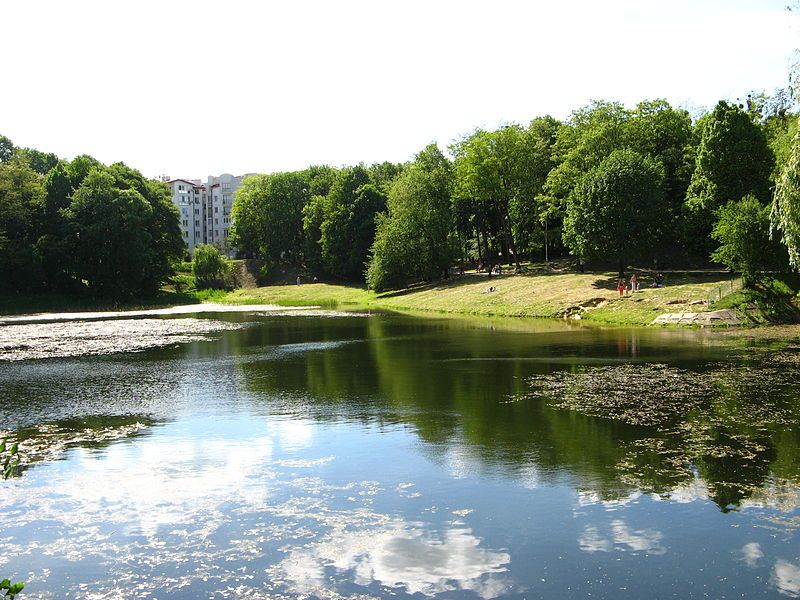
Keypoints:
(718, 293)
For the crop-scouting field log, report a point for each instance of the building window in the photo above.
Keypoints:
(216, 209)
(186, 234)
(197, 234)
(225, 233)
(180, 187)
(186, 222)
(226, 187)
(185, 211)
(197, 211)
(216, 221)
(226, 199)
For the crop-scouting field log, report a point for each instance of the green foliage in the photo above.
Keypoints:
(209, 266)
(499, 174)
(743, 232)
(9, 460)
(183, 282)
(22, 203)
(786, 205)
(592, 133)
(268, 217)
(41, 162)
(412, 241)
(10, 589)
(733, 160)
(6, 148)
(126, 232)
(616, 210)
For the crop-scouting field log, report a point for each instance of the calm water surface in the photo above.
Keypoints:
(272, 456)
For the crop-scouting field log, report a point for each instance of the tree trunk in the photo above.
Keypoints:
(511, 237)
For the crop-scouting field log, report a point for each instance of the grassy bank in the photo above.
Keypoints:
(589, 296)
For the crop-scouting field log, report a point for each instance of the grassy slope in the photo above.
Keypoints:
(536, 295)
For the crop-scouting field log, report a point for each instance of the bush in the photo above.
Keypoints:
(209, 266)
(743, 231)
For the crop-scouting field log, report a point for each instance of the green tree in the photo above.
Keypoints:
(122, 249)
(412, 241)
(616, 210)
(592, 133)
(347, 230)
(743, 232)
(733, 160)
(268, 217)
(6, 148)
(786, 204)
(22, 202)
(504, 171)
(41, 162)
(209, 266)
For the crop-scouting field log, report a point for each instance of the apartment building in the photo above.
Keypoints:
(205, 208)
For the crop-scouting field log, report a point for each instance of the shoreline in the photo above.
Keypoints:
(581, 297)
(589, 298)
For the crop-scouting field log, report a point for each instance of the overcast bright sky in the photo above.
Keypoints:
(197, 88)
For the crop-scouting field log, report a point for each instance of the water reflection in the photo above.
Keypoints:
(398, 555)
(391, 455)
(620, 536)
(786, 578)
(196, 506)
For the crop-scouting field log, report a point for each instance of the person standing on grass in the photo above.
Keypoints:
(634, 283)
(621, 286)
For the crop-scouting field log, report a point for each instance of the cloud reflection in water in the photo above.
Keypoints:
(404, 555)
(191, 514)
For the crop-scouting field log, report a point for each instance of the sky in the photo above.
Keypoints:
(190, 89)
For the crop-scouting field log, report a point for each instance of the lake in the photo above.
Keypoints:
(307, 454)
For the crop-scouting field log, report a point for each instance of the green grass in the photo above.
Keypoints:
(772, 300)
(317, 294)
(545, 294)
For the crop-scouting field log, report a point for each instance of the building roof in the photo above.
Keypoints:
(192, 182)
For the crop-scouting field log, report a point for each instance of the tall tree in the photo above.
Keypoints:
(124, 238)
(616, 210)
(268, 217)
(412, 241)
(6, 149)
(733, 161)
(22, 200)
(786, 205)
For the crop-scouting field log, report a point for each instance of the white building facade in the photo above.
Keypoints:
(205, 209)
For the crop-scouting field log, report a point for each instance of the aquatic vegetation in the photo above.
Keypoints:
(10, 589)
(10, 459)
(92, 338)
(49, 441)
(714, 426)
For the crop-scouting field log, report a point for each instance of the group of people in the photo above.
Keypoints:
(489, 268)
(624, 287)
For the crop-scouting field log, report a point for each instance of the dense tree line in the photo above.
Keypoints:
(82, 226)
(609, 184)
